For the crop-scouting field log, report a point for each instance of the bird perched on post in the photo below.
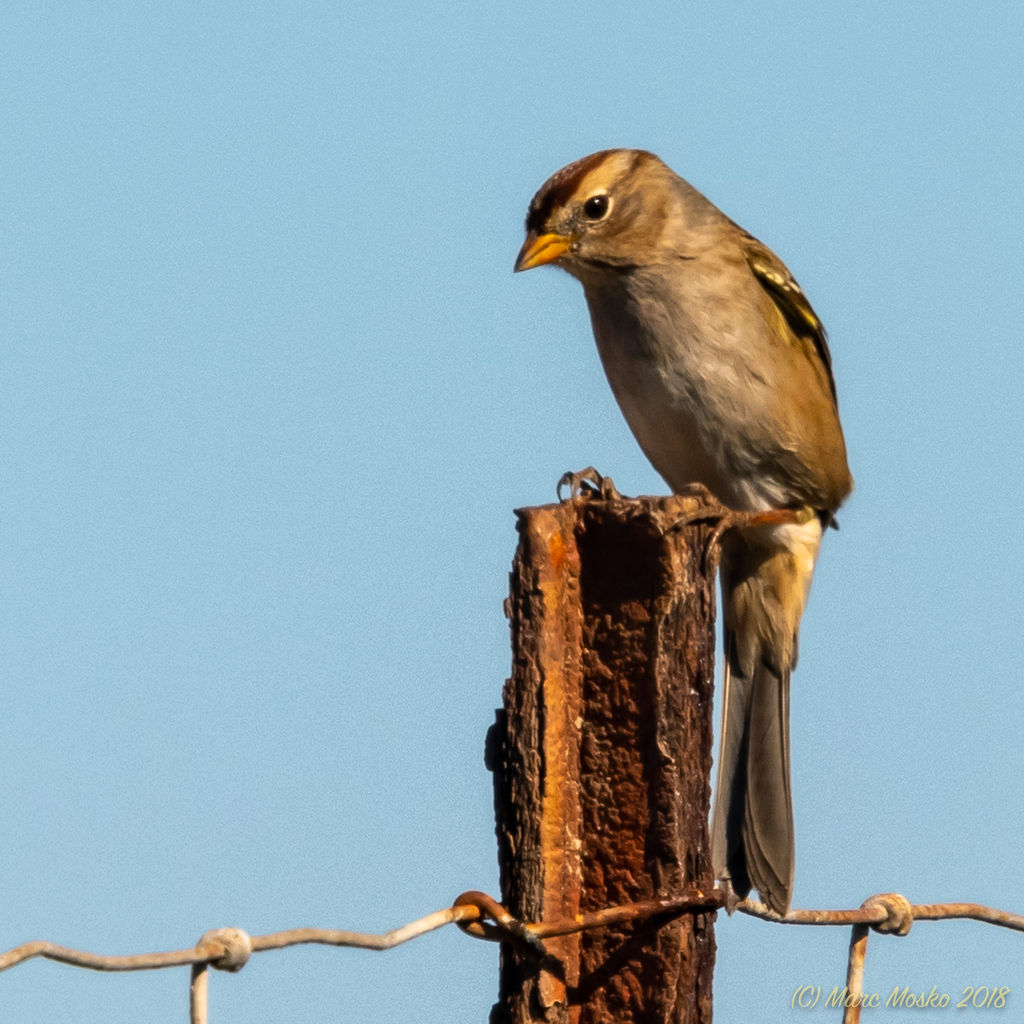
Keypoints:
(723, 373)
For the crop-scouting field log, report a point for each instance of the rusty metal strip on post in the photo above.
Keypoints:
(601, 756)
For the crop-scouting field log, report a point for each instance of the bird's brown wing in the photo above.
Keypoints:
(774, 276)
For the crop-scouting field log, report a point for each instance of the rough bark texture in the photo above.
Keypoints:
(602, 755)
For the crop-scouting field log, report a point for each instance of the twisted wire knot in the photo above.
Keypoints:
(226, 949)
(899, 915)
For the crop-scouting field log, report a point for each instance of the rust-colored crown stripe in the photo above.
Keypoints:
(562, 185)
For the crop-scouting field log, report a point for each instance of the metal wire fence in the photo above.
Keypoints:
(478, 915)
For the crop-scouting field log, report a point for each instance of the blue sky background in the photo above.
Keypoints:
(269, 393)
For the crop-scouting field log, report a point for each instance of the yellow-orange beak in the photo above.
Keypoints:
(540, 249)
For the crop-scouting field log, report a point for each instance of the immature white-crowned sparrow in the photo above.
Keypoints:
(723, 373)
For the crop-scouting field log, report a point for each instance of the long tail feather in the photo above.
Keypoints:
(766, 576)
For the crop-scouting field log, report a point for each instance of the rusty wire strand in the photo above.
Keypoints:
(197, 990)
(215, 948)
(479, 915)
(855, 972)
(874, 912)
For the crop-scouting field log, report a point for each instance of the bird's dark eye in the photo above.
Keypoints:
(596, 206)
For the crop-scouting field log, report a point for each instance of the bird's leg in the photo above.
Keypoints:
(587, 483)
(726, 518)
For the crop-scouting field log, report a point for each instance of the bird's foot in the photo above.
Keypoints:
(701, 492)
(587, 483)
(725, 519)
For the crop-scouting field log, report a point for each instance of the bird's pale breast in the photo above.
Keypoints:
(687, 389)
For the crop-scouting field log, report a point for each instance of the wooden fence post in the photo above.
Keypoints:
(601, 756)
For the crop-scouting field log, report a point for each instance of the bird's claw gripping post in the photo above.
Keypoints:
(589, 484)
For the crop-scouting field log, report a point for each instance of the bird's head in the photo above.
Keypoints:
(609, 210)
